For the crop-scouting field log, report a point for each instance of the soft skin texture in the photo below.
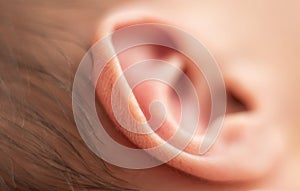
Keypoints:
(255, 43)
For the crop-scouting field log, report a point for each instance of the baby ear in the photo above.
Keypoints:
(245, 148)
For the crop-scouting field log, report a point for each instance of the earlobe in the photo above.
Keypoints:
(241, 139)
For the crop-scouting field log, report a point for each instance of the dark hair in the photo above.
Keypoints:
(40, 147)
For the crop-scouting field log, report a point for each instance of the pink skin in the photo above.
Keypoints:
(254, 140)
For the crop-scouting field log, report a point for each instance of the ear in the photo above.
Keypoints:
(245, 148)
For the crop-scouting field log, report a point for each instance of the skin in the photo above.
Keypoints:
(252, 42)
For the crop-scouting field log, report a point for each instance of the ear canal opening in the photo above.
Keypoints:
(235, 104)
